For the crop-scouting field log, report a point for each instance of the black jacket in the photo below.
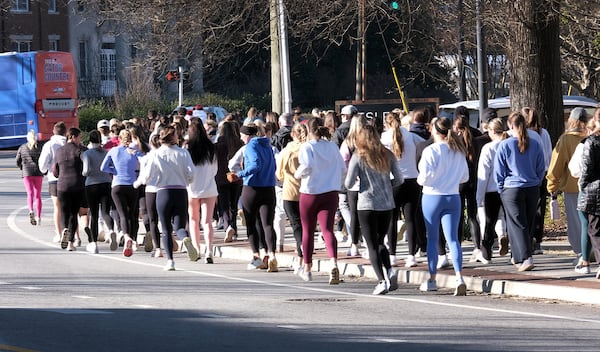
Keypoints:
(281, 138)
(27, 160)
(589, 182)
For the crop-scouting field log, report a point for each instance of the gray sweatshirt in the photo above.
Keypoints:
(92, 159)
(375, 190)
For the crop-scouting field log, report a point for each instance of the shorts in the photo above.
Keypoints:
(53, 189)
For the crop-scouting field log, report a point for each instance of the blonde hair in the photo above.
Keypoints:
(370, 149)
(356, 124)
(300, 132)
(31, 139)
(125, 136)
(497, 127)
(392, 121)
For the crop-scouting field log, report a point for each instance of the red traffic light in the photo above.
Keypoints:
(172, 76)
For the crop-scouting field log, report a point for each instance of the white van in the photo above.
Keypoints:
(502, 106)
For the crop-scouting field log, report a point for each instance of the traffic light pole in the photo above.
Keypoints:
(180, 82)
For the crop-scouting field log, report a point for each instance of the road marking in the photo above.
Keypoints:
(291, 327)
(391, 341)
(30, 288)
(214, 316)
(143, 306)
(72, 311)
(83, 297)
(12, 224)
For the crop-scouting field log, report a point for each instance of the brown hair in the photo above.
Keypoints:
(443, 126)
(316, 128)
(461, 126)
(517, 120)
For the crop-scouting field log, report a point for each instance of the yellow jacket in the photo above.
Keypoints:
(559, 178)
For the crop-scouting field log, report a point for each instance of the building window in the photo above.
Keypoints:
(53, 42)
(108, 65)
(52, 6)
(19, 5)
(21, 45)
(83, 61)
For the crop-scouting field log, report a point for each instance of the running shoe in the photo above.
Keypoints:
(334, 276)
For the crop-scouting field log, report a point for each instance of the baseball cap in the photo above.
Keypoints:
(349, 110)
(579, 114)
(102, 123)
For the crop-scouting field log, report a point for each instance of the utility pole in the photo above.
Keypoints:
(286, 84)
(462, 82)
(481, 59)
(360, 53)
(276, 99)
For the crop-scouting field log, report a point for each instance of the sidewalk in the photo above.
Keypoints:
(553, 277)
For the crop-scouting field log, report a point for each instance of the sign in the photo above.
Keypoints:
(378, 108)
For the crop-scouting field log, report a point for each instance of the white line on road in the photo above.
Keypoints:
(12, 224)
(83, 297)
(30, 288)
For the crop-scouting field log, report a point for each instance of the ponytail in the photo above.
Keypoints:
(392, 121)
(443, 126)
(517, 120)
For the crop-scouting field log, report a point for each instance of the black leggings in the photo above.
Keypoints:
(374, 225)
(492, 204)
(292, 210)
(125, 198)
(467, 200)
(227, 203)
(69, 207)
(98, 198)
(172, 207)
(259, 201)
(406, 198)
(354, 222)
(150, 198)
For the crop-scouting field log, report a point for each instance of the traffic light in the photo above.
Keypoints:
(395, 5)
(172, 75)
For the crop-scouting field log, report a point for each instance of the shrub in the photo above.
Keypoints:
(91, 113)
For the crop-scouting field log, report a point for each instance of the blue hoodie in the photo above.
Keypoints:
(259, 163)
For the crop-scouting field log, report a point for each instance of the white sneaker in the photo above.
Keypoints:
(353, 251)
(56, 238)
(420, 254)
(461, 288)
(429, 285)
(39, 221)
(255, 263)
(410, 261)
(134, 246)
(582, 269)
(527, 265)
(170, 266)
(77, 242)
(443, 262)
(474, 254)
(71, 247)
(92, 248)
(305, 275)
(340, 237)
(381, 288)
(480, 258)
(393, 260)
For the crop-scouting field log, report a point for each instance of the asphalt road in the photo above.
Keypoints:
(53, 300)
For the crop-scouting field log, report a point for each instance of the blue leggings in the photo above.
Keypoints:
(444, 209)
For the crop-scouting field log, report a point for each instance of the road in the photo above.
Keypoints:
(53, 300)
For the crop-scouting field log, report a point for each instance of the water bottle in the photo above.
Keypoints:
(554, 209)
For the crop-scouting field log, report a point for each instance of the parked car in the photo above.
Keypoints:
(502, 106)
(219, 111)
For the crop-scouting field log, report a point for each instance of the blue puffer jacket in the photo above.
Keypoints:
(259, 163)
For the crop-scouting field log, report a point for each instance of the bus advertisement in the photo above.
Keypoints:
(37, 89)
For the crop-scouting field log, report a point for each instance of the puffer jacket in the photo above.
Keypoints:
(589, 182)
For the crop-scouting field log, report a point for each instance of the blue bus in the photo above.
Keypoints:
(37, 89)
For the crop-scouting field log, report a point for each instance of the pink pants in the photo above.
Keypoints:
(33, 186)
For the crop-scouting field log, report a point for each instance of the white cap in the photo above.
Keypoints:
(349, 110)
(102, 123)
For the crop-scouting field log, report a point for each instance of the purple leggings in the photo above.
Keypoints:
(322, 207)
(33, 186)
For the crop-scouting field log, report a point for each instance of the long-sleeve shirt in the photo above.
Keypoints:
(513, 169)
(287, 164)
(375, 188)
(204, 185)
(46, 161)
(485, 172)
(169, 167)
(122, 162)
(92, 159)
(442, 170)
(321, 167)
(408, 161)
(559, 178)
(68, 168)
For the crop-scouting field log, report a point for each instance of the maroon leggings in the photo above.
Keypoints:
(322, 207)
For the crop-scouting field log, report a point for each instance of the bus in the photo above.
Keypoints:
(37, 89)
